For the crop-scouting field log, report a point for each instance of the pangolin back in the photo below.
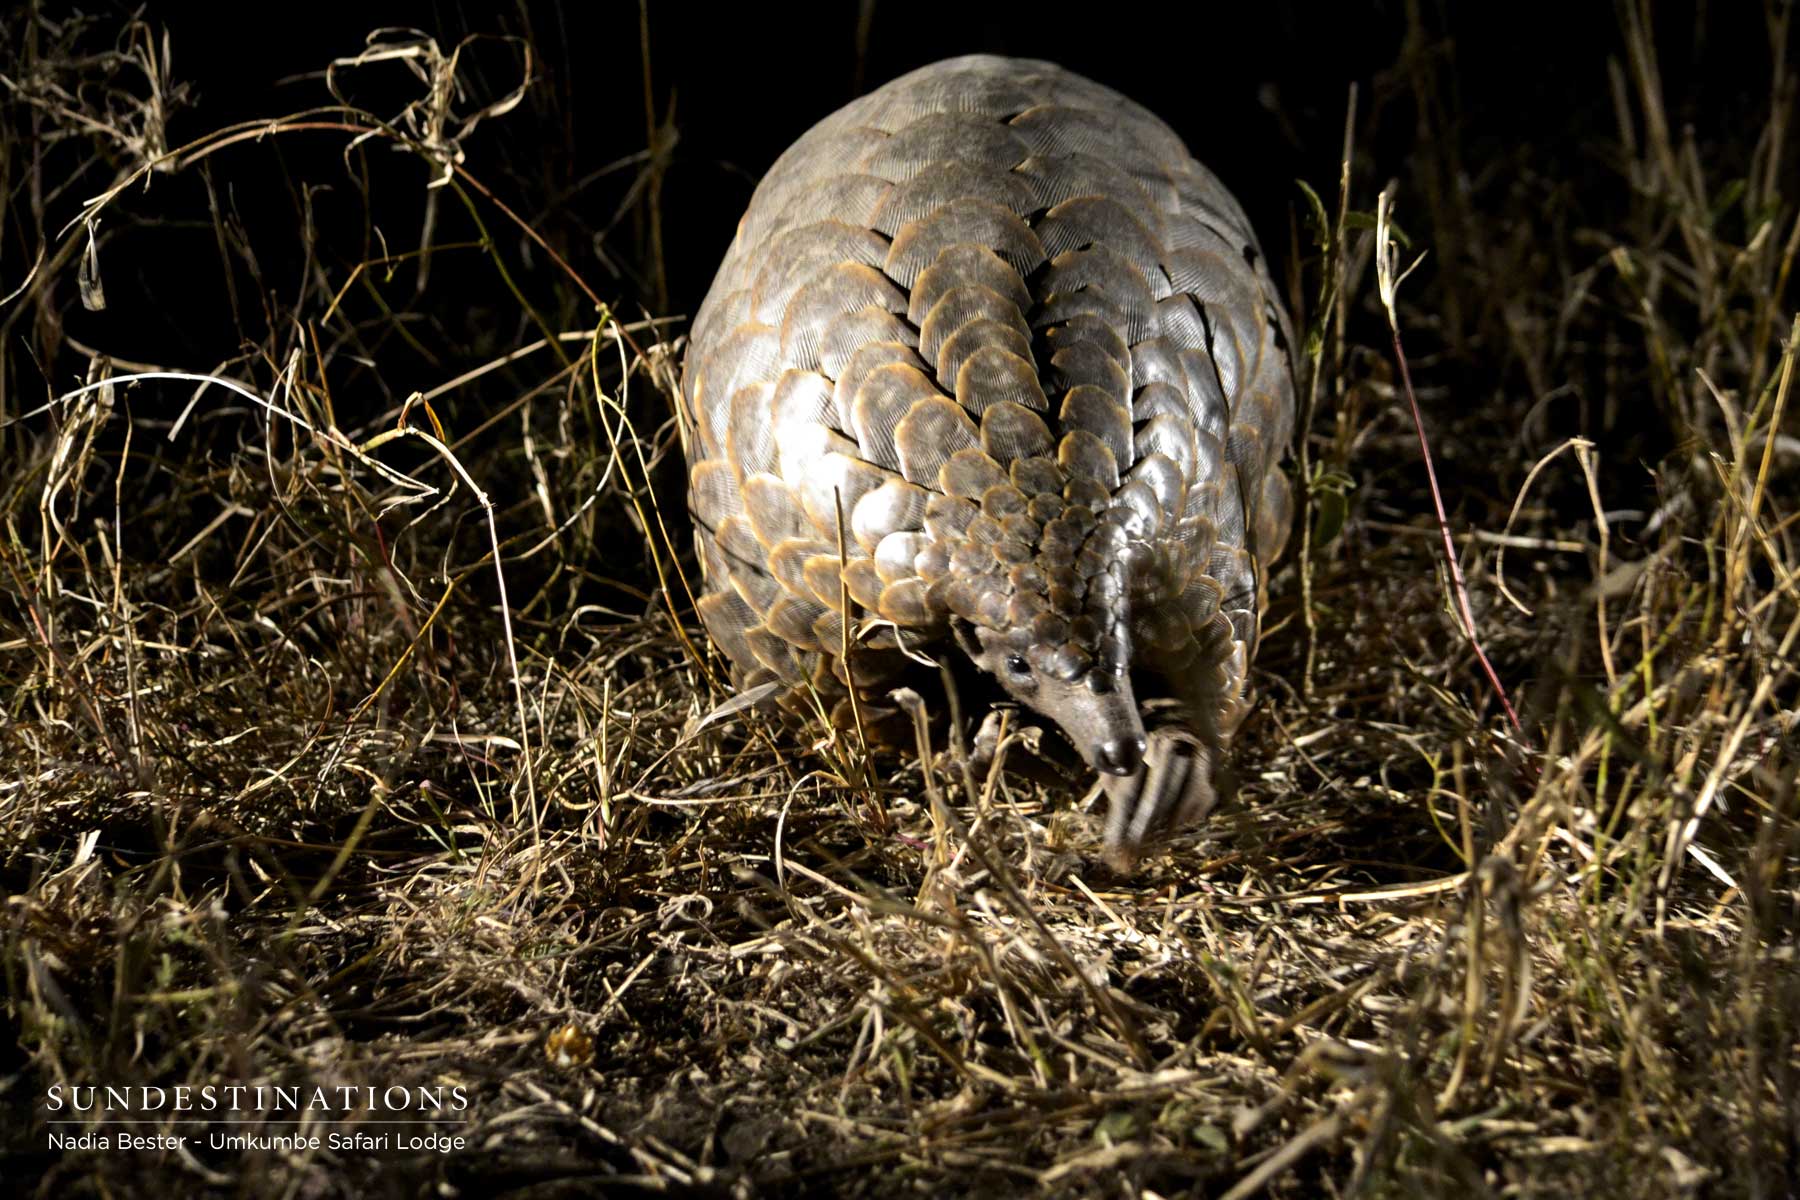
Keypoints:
(994, 359)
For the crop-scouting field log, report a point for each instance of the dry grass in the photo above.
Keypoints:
(349, 737)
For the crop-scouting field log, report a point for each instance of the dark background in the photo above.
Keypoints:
(1508, 174)
(1257, 90)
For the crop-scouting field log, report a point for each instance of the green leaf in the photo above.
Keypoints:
(1729, 195)
(1331, 506)
(1116, 1126)
(1366, 220)
(1329, 511)
(1321, 223)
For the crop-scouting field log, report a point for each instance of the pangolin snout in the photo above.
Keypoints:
(1120, 756)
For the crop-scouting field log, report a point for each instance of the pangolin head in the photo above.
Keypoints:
(1036, 585)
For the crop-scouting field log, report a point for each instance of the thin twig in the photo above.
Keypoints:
(1389, 283)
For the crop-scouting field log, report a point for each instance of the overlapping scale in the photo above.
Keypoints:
(969, 221)
(949, 182)
(984, 333)
(868, 358)
(932, 430)
(969, 137)
(849, 332)
(958, 307)
(993, 325)
(997, 374)
(799, 254)
(827, 295)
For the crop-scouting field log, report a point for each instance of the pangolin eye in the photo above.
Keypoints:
(1017, 665)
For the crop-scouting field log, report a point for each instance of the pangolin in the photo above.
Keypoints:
(994, 369)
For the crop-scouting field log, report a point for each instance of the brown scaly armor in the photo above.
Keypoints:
(994, 331)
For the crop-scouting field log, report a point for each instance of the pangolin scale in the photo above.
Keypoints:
(994, 368)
